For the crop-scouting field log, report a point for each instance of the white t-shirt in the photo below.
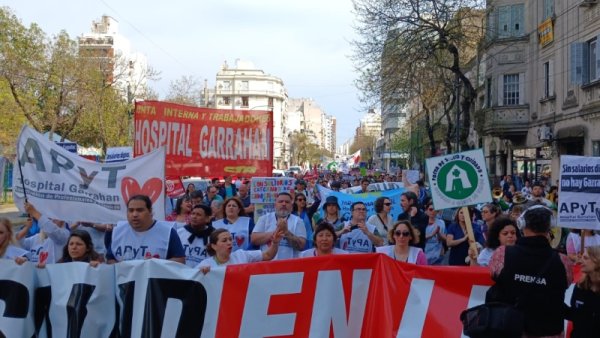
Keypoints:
(236, 257)
(382, 229)
(51, 247)
(240, 231)
(268, 223)
(312, 252)
(574, 242)
(128, 244)
(413, 252)
(484, 257)
(357, 241)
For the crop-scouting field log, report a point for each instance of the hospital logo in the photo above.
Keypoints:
(457, 180)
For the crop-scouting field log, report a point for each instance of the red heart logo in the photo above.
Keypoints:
(239, 240)
(148, 255)
(130, 187)
(43, 257)
(156, 256)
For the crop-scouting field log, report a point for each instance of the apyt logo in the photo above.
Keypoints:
(457, 180)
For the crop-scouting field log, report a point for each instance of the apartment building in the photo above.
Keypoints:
(245, 87)
(541, 93)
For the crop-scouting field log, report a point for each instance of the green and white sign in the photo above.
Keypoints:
(458, 180)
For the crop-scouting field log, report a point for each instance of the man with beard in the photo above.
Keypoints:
(194, 236)
(411, 212)
(537, 197)
(292, 226)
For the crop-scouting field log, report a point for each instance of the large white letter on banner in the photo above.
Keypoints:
(330, 307)
(256, 322)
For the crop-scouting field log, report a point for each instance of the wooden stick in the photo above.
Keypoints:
(469, 226)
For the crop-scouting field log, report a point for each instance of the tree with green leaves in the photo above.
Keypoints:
(303, 150)
(61, 88)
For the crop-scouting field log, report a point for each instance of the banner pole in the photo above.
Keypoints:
(21, 173)
(469, 226)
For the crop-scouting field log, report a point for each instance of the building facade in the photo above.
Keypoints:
(245, 87)
(541, 92)
(125, 69)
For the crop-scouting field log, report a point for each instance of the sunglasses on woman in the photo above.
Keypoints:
(402, 233)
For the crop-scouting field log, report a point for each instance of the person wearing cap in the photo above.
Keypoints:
(533, 277)
(331, 213)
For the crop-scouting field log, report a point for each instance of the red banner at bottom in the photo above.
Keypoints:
(347, 296)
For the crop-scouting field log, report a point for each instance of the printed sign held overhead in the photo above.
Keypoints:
(579, 186)
(458, 180)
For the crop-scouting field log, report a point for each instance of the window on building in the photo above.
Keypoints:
(226, 84)
(510, 90)
(548, 89)
(595, 148)
(585, 62)
(226, 100)
(244, 85)
(592, 59)
(488, 92)
(507, 21)
(270, 103)
(548, 8)
(245, 101)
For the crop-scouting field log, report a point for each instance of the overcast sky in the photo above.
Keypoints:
(306, 43)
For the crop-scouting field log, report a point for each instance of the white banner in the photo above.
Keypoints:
(578, 191)
(66, 186)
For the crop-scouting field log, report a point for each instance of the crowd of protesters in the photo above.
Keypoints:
(215, 227)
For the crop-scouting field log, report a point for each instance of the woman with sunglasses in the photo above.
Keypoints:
(299, 209)
(435, 236)
(382, 219)
(402, 236)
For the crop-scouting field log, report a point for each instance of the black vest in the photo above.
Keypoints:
(534, 279)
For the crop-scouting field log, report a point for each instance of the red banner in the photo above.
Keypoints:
(350, 296)
(347, 296)
(174, 186)
(204, 141)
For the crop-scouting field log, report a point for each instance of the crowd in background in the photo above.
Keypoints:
(216, 227)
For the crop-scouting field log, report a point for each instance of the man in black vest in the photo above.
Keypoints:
(532, 276)
(411, 212)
